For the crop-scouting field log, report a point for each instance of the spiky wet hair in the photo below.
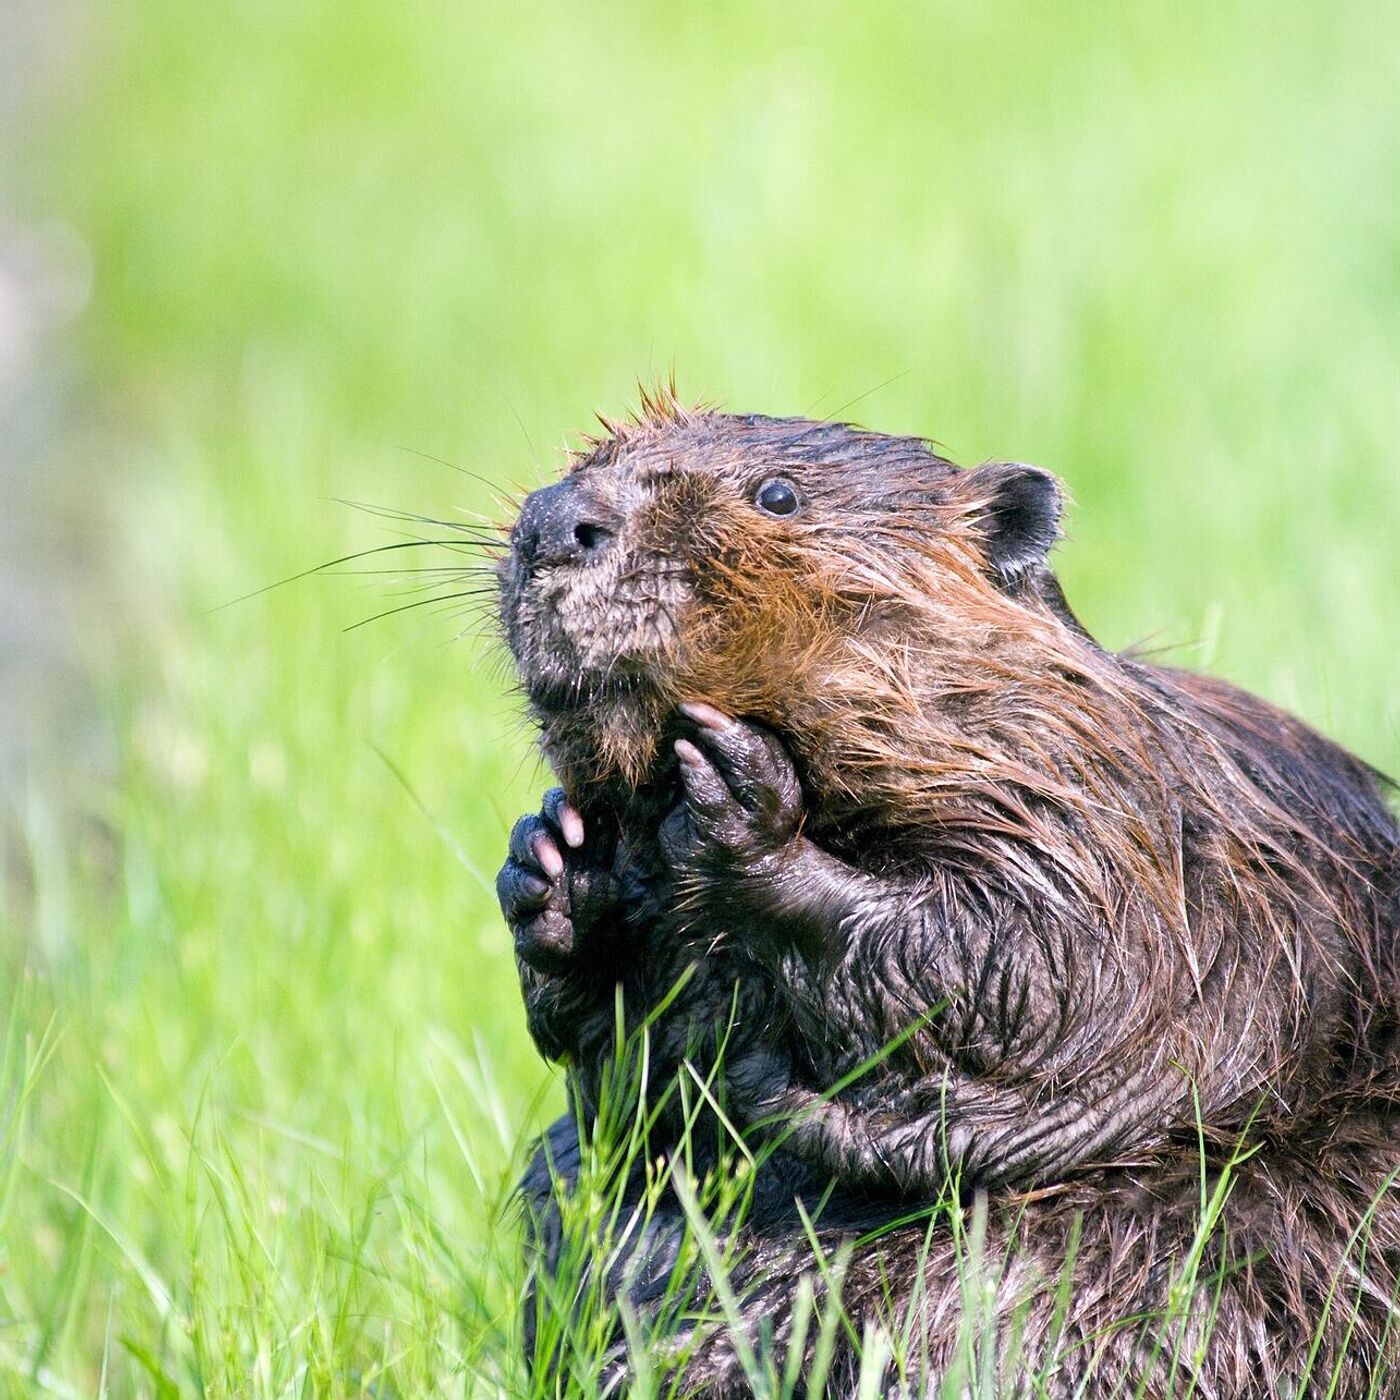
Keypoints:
(1151, 913)
(1215, 885)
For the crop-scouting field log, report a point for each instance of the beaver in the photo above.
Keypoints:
(957, 906)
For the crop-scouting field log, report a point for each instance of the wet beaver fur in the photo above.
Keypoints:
(829, 737)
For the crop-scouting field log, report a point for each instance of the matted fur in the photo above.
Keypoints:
(1154, 910)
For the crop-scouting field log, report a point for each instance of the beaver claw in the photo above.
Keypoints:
(540, 884)
(742, 801)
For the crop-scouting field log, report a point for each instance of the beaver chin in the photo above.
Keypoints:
(562, 694)
(605, 732)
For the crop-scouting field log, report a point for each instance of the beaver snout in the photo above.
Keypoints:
(561, 524)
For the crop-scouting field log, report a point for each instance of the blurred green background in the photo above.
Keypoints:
(265, 1071)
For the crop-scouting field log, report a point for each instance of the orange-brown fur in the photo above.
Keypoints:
(1225, 882)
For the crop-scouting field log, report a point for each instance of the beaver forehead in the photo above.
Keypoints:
(708, 458)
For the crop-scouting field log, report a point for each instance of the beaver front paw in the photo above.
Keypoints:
(549, 889)
(742, 803)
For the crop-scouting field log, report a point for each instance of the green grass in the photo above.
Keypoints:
(267, 1075)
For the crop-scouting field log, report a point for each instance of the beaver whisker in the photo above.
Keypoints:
(488, 593)
(493, 536)
(485, 570)
(405, 607)
(495, 486)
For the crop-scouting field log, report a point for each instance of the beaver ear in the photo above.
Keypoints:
(1018, 515)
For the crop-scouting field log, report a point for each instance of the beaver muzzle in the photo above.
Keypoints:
(561, 524)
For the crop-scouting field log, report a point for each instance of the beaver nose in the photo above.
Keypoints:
(561, 524)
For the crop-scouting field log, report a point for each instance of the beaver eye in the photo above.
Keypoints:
(777, 497)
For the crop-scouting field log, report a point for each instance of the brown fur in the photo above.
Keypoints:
(1223, 883)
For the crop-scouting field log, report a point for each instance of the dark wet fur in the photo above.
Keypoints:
(1156, 915)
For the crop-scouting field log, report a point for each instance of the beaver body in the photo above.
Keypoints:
(964, 909)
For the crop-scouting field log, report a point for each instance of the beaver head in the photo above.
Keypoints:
(782, 569)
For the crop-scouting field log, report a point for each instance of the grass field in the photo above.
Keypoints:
(265, 1075)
